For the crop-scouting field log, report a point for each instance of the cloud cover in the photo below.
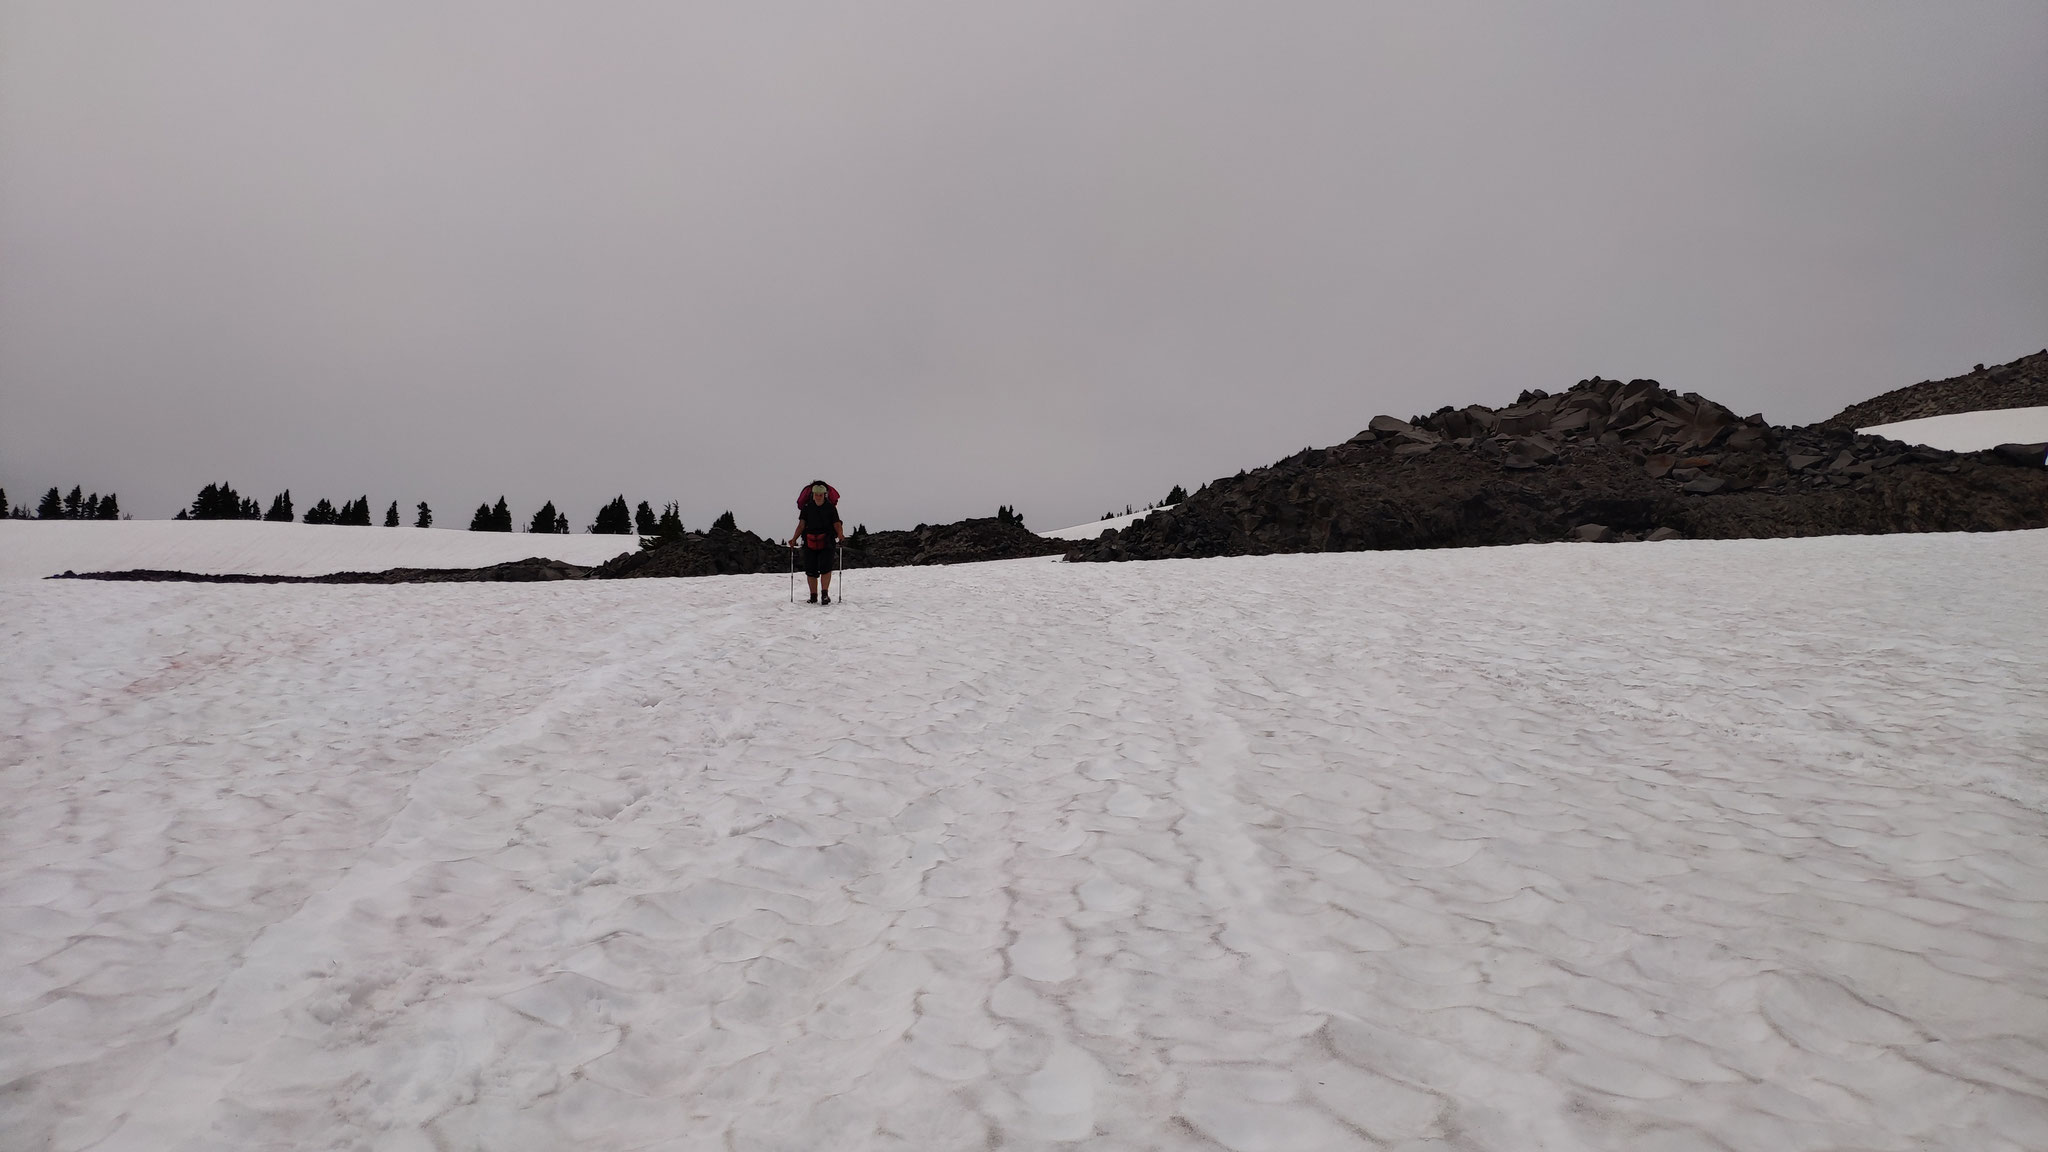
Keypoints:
(1056, 255)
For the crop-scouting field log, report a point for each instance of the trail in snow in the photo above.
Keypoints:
(1696, 845)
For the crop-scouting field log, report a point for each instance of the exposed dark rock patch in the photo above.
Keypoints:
(2020, 384)
(529, 570)
(962, 542)
(1604, 461)
(724, 552)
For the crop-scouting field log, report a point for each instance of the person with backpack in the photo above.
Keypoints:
(820, 532)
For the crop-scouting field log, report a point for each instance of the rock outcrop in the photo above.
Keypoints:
(727, 551)
(2020, 384)
(1603, 461)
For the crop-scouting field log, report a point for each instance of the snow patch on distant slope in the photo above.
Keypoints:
(1969, 431)
(33, 549)
(1094, 528)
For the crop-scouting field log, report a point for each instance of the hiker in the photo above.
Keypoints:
(820, 531)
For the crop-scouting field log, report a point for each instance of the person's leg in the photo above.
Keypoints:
(813, 582)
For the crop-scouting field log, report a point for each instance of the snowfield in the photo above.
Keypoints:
(33, 549)
(1094, 528)
(1687, 846)
(1969, 431)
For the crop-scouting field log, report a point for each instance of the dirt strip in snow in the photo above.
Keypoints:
(1682, 846)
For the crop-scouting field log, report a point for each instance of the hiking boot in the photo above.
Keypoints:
(826, 598)
(814, 597)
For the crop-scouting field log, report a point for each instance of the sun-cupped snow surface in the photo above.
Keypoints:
(1969, 431)
(33, 549)
(1094, 528)
(1698, 845)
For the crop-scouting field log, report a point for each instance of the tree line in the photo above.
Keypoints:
(74, 505)
(222, 502)
(1174, 496)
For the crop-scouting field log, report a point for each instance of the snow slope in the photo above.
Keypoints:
(1698, 845)
(1094, 528)
(1969, 431)
(33, 549)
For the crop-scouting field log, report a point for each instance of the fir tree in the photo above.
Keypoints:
(391, 515)
(74, 504)
(182, 515)
(51, 507)
(725, 522)
(614, 519)
(481, 522)
(221, 502)
(1178, 495)
(544, 520)
(110, 507)
(501, 517)
(668, 528)
(91, 511)
(322, 512)
(280, 508)
(355, 513)
(643, 519)
(562, 523)
(426, 517)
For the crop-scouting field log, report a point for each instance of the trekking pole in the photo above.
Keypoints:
(792, 574)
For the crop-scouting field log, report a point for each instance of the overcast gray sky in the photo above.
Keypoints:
(1060, 255)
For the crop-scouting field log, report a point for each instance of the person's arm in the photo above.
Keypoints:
(839, 526)
(799, 533)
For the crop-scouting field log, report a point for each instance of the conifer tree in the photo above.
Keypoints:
(221, 502)
(4, 505)
(426, 517)
(110, 507)
(355, 513)
(280, 508)
(51, 507)
(668, 528)
(544, 520)
(614, 519)
(1176, 496)
(391, 515)
(501, 517)
(91, 510)
(74, 504)
(481, 522)
(322, 512)
(643, 519)
(561, 523)
(725, 523)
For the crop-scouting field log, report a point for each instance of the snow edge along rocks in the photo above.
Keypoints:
(1602, 461)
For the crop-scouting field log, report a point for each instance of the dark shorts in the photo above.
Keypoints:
(818, 561)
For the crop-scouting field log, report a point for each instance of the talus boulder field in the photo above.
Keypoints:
(1602, 461)
(2020, 384)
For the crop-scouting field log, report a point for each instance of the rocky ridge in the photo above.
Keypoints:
(2020, 384)
(1602, 461)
